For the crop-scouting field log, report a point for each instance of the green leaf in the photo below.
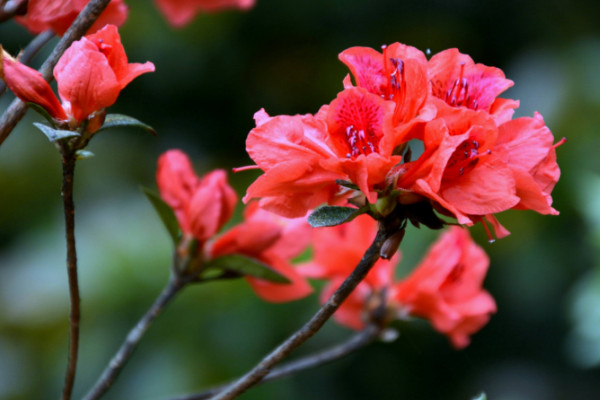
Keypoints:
(247, 266)
(43, 112)
(83, 154)
(347, 184)
(333, 215)
(482, 396)
(124, 121)
(55, 134)
(166, 214)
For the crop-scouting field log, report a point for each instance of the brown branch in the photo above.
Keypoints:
(112, 370)
(68, 165)
(357, 341)
(82, 23)
(313, 325)
(31, 50)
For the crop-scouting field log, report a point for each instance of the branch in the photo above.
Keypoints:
(82, 23)
(312, 326)
(31, 50)
(111, 372)
(68, 164)
(358, 341)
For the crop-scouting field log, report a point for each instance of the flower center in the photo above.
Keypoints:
(464, 159)
(458, 94)
(357, 119)
(360, 141)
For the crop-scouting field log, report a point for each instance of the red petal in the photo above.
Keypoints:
(29, 85)
(487, 189)
(85, 79)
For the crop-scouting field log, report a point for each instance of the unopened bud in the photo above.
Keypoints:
(96, 121)
(390, 246)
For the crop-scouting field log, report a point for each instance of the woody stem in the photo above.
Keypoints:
(256, 374)
(82, 23)
(68, 164)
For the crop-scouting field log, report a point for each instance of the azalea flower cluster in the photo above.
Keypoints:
(445, 288)
(476, 160)
(90, 75)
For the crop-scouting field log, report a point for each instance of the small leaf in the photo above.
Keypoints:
(247, 266)
(482, 396)
(83, 154)
(55, 134)
(119, 120)
(347, 184)
(42, 111)
(165, 213)
(333, 215)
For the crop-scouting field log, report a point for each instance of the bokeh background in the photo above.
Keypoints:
(211, 76)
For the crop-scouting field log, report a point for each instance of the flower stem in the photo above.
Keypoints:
(68, 165)
(357, 341)
(312, 326)
(82, 23)
(112, 370)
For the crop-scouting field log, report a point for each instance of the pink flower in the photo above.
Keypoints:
(473, 168)
(302, 156)
(274, 241)
(398, 74)
(181, 12)
(90, 75)
(459, 82)
(446, 287)
(202, 205)
(58, 15)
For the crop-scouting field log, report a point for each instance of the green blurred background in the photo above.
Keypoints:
(211, 76)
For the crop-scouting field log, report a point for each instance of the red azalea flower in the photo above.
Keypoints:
(90, 75)
(446, 287)
(398, 74)
(474, 169)
(302, 156)
(459, 82)
(181, 12)
(202, 205)
(274, 241)
(337, 251)
(459, 169)
(58, 15)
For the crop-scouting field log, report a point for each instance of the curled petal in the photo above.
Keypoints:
(29, 85)
(177, 183)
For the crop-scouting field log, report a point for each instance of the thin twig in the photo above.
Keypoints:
(357, 341)
(84, 21)
(112, 370)
(312, 326)
(31, 50)
(68, 165)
